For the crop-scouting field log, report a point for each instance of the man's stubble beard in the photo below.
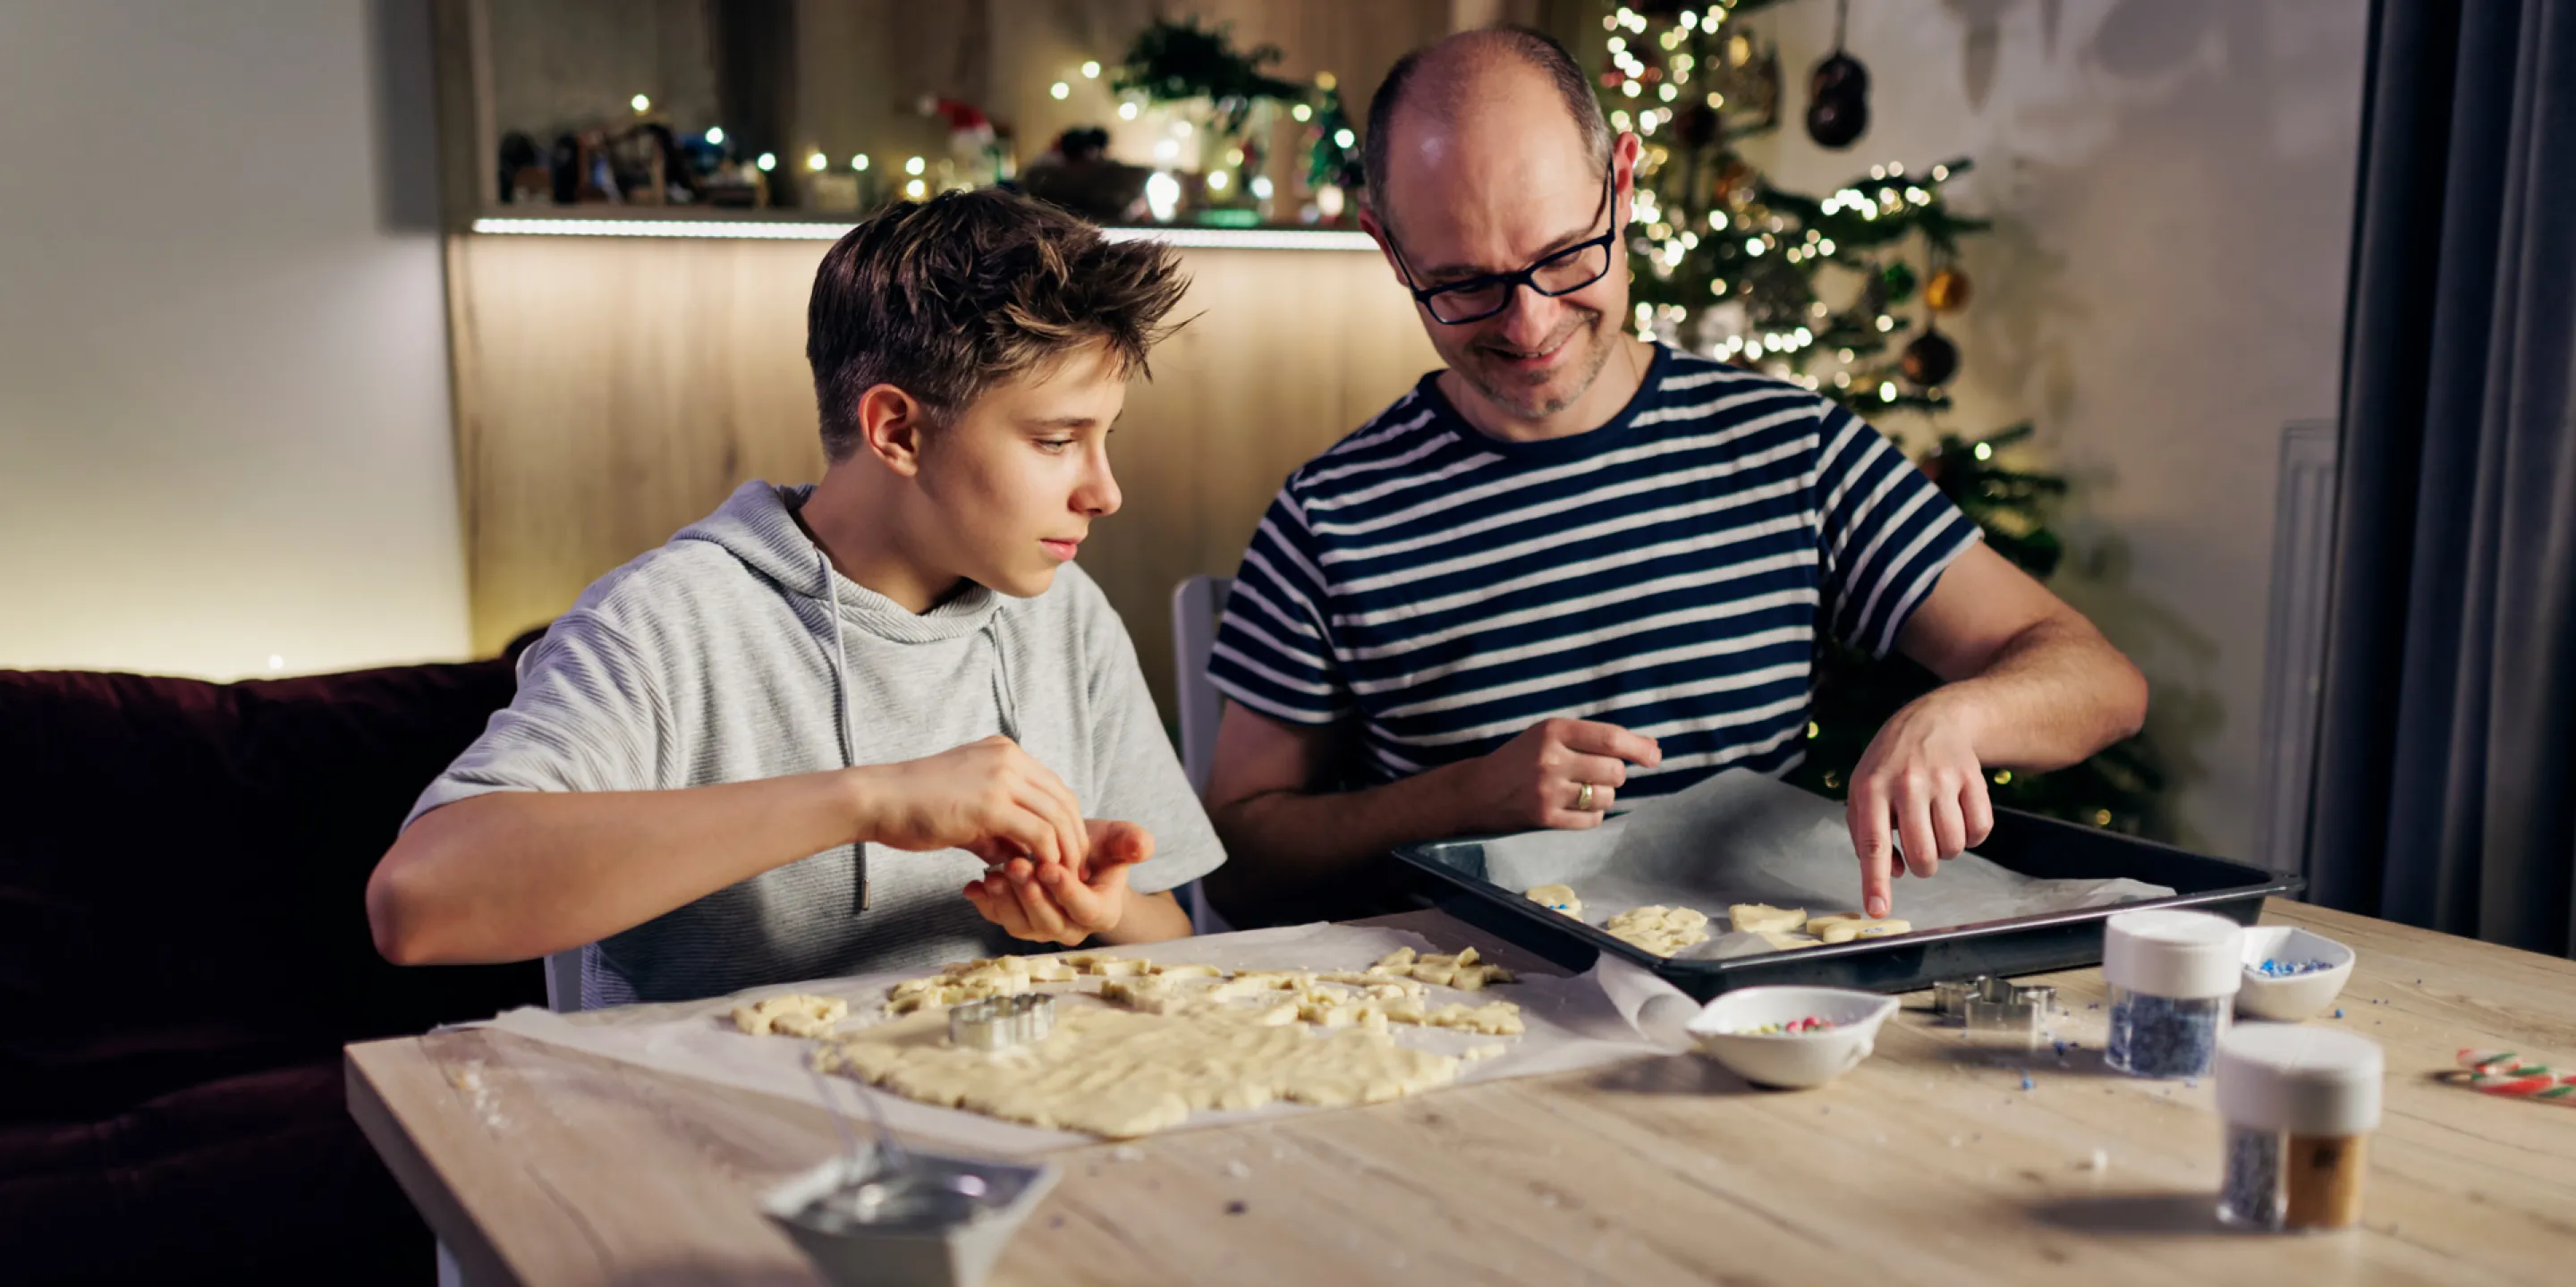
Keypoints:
(1510, 400)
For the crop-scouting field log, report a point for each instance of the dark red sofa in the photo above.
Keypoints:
(183, 952)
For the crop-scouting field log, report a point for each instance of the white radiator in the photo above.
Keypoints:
(2294, 652)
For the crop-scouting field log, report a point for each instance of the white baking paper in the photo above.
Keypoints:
(1740, 837)
(1611, 1013)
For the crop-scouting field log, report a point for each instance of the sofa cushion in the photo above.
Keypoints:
(183, 868)
(256, 1178)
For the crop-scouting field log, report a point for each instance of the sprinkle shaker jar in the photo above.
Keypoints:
(2173, 977)
(2299, 1104)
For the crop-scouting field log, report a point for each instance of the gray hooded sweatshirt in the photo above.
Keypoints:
(735, 653)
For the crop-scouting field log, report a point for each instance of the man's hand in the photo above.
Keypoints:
(989, 798)
(1920, 783)
(1538, 778)
(1045, 902)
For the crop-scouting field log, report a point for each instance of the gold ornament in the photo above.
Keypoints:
(1947, 292)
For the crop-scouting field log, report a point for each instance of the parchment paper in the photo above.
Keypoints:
(1611, 1013)
(1740, 837)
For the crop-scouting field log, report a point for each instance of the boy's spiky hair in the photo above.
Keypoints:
(946, 298)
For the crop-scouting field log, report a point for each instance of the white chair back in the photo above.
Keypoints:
(1197, 604)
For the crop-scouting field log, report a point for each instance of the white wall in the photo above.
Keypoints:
(2173, 181)
(224, 430)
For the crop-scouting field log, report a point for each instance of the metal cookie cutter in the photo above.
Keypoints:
(1992, 1007)
(1000, 1023)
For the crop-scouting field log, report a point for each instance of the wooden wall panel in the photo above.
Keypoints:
(609, 391)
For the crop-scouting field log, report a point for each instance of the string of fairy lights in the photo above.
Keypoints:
(1710, 238)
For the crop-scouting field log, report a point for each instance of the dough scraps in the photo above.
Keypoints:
(793, 1015)
(1120, 1074)
(1757, 918)
(1659, 929)
(1559, 897)
(1843, 927)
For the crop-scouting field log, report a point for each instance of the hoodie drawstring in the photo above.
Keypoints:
(1005, 699)
(841, 698)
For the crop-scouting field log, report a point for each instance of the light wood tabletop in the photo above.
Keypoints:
(1929, 1163)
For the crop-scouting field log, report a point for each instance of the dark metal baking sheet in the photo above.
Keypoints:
(1454, 876)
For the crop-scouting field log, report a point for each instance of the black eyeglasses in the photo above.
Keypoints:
(1563, 273)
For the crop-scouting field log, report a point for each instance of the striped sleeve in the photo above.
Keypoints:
(1274, 649)
(1886, 532)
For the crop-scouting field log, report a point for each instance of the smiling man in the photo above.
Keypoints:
(1575, 568)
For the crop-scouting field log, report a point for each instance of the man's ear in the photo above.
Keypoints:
(1377, 232)
(891, 422)
(1625, 152)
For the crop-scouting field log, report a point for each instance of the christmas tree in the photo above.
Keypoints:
(1822, 291)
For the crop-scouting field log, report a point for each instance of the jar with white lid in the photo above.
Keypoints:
(2299, 1105)
(2173, 976)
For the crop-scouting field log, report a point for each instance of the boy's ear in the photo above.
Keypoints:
(891, 422)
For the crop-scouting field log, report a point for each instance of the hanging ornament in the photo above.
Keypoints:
(1931, 359)
(1696, 127)
(1838, 93)
(1947, 292)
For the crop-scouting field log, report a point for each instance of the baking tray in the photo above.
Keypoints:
(1453, 875)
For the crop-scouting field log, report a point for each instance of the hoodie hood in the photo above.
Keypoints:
(757, 525)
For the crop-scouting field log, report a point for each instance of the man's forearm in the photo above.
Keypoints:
(517, 874)
(1287, 843)
(2057, 693)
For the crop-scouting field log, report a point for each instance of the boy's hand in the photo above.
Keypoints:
(1047, 902)
(989, 798)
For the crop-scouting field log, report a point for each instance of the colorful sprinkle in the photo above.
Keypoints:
(1812, 1023)
(2288, 969)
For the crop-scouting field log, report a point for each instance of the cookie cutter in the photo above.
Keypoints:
(1001, 1023)
(1991, 1007)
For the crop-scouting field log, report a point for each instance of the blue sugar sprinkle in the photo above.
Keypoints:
(2025, 1081)
(2338, 1012)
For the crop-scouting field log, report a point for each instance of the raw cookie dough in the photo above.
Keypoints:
(1843, 927)
(1559, 897)
(1659, 929)
(1466, 971)
(965, 981)
(793, 1015)
(1758, 918)
(1120, 1074)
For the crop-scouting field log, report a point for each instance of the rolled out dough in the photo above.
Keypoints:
(1121, 1074)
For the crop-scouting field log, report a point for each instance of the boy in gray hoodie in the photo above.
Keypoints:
(783, 745)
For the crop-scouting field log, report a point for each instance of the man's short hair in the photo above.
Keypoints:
(1535, 49)
(948, 298)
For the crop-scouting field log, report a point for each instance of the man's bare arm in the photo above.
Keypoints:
(2031, 685)
(1285, 840)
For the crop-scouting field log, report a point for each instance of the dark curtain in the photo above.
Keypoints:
(2446, 779)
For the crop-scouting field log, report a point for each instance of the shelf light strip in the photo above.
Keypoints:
(763, 230)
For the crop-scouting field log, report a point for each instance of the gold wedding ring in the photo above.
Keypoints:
(1583, 799)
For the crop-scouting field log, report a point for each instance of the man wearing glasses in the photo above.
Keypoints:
(1575, 569)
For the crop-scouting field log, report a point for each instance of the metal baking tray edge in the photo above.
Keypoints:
(2023, 842)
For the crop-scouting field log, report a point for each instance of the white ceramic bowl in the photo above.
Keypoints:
(1790, 1059)
(2292, 997)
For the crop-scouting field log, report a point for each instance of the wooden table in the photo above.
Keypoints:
(1929, 1163)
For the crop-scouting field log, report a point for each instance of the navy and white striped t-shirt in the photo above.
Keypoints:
(1665, 573)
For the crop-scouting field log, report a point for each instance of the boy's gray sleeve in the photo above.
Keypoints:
(586, 718)
(1139, 774)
